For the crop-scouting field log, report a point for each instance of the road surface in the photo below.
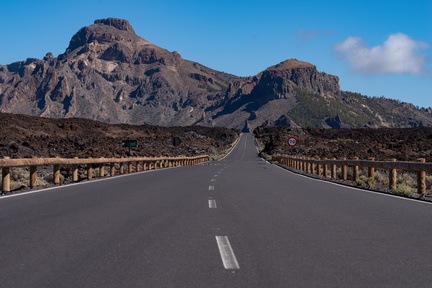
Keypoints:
(238, 222)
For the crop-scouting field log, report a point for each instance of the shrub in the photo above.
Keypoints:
(366, 182)
(403, 189)
(382, 179)
(50, 178)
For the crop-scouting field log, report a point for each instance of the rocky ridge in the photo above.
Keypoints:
(110, 74)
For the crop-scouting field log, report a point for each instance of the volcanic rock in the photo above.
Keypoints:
(110, 74)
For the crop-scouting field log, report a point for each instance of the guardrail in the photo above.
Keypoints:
(328, 168)
(142, 164)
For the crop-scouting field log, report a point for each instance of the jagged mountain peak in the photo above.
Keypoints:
(120, 24)
(105, 31)
(291, 64)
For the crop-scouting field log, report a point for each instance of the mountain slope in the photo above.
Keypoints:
(109, 73)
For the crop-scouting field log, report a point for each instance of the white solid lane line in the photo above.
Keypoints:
(227, 254)
(212, 203)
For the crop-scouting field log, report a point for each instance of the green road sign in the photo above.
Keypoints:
(129, 143)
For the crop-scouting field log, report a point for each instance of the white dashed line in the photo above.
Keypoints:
(212, 204)
(211, 187)
(227, 254)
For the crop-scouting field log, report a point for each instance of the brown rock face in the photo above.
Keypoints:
(108, 73)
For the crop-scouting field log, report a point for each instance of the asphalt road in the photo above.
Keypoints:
(239, 222)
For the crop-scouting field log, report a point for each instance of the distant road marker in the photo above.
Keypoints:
(227, 254)
(211, 187)
(212, 204)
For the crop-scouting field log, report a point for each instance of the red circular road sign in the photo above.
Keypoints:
(292, 141)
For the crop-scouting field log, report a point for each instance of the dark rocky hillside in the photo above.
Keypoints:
(27, 136)
(110, 74)
(403, 144)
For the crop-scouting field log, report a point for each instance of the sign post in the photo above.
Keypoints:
(129, 144)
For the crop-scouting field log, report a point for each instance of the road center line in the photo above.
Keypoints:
(227, 254)
(211, 187)
(212, 204)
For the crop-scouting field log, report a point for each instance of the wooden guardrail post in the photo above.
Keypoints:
(102, 170)
(371, 170)
(355, 170)
(89, 171)
(325, 166)
(130, 167)
(138, 166)
(421, 179)
(56, 174)
(318, 167)
(392, 177)
(5, 179)
(121, 169)
(112, 169)
(33, 175)
(75, 172)
(344, 171)
(333, 170)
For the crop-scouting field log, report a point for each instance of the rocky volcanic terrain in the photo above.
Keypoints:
(405, 144)
(27, 136)
(110, 74)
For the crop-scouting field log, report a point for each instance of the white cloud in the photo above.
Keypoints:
(397, 55)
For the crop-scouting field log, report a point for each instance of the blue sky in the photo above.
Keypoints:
(377, 48)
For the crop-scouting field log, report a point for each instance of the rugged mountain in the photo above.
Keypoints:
(108, 73)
